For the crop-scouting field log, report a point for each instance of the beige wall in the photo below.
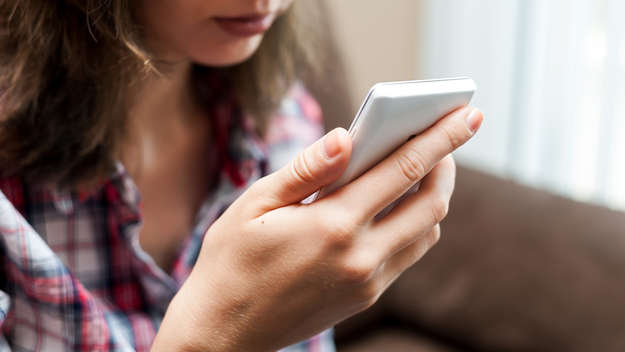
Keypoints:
(378, 39)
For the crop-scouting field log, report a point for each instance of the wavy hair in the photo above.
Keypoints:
(66, 72)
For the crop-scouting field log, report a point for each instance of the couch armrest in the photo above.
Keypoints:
(519, 269)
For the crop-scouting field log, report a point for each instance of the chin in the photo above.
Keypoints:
(228, 54)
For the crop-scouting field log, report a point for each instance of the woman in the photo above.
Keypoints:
(178, 101)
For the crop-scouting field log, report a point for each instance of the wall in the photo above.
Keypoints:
(379, 41)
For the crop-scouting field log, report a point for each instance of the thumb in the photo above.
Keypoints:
(318, 165)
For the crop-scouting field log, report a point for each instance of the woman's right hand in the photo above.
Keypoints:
(272, 271)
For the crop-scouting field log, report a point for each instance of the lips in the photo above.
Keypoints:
(245, 26)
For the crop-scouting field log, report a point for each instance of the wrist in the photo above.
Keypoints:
(196, 321)
(176, 332)
(182, 331)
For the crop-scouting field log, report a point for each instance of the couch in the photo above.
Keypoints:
(516, 269)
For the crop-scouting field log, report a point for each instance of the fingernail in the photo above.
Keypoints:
(474, 120)
(331, 144)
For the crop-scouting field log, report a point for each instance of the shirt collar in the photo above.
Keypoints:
(242, 152)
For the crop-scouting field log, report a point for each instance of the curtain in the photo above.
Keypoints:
(551, 82)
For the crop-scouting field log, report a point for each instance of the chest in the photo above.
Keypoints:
(173, 181)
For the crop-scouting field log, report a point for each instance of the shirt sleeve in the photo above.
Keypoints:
(5, 299)
(297, 124)
(5, 302)
(22, 253)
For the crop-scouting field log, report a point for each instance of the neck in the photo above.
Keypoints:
(169, 157)
(161, 97)
(162, 105)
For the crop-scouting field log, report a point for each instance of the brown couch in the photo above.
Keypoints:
(517, 269)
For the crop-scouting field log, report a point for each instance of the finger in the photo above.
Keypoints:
(416, 213)
(389, 208)
(387, 181)
(317, 166)
(407, 257)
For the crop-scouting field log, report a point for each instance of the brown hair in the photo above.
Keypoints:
(66, 68)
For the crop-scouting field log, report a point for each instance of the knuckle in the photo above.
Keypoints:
(421, 247)
(453, 138)
(301, 168)
(415, 254)
(451, 161)
(435, 236)
(439, 208)
(358, 272)
(448, 162)
(369, 294)
(412, 165)
(339, 232)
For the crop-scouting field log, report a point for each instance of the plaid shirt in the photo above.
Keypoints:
(73, 275)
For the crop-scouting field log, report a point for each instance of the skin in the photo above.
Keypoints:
(166, 149)
(189, 33)
(272, 271)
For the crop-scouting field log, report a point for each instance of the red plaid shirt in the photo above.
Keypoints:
(73, 276)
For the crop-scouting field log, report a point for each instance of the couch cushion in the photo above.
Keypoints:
(520, 269)
(396, 340)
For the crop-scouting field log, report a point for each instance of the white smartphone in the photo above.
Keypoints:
(393, 112)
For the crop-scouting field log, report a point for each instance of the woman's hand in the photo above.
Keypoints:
(272, 271)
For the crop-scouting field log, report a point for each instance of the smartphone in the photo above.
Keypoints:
(392, 113)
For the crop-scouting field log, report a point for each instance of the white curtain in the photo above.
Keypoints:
(551, 80)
